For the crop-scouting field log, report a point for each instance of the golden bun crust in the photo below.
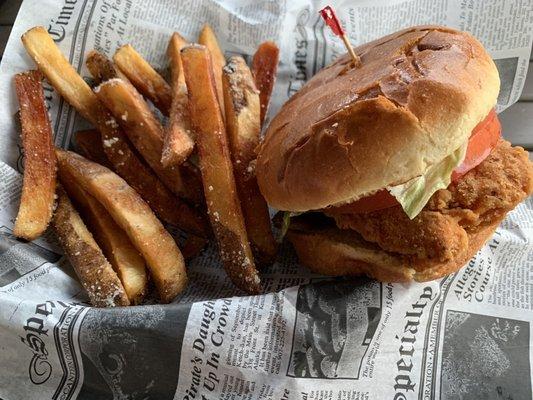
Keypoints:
(337, 252)
(349, 132)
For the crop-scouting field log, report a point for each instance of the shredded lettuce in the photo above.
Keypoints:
(287, 221)
(414, 194)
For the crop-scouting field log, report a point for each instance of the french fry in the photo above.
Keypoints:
(79, 95)
(176, 211)
(208, 39)
(176, 43)
(145, 79)
(243, 126)
(178, 143)
(115, 244)
(89, 144)
(215, 164)
(39, 181)
(133, 215)
(144, 131)
(94, 272)
(192, 179)
(264, 68)
(102, 68)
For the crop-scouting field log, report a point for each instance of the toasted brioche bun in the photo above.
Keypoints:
(337, 252)
(352, 131)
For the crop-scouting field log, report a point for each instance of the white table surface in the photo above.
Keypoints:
(517, 120)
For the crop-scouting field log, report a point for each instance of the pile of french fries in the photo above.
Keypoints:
(133, 173)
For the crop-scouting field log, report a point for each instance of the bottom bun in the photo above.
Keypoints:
(335, 252)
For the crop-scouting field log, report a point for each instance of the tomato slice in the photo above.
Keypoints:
(483, 139)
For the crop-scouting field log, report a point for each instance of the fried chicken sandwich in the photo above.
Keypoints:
(395, 168)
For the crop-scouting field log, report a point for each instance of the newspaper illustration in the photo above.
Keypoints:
(308, 337)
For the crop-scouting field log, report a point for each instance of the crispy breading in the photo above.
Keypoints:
(430, 235)
(439, 233)
(488, 191)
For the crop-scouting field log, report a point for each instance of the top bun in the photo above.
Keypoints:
(352, 131)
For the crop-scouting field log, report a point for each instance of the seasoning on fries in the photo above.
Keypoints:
(208, 39)
(144, 131)
(136, 166)
(215, 164)
(39, 180)
(78, 94)
(89, 144)
(179, 142)
(94, 272)
(133, 215)
(115, 244)
(178, 213)
(145, 78)
(243, 127)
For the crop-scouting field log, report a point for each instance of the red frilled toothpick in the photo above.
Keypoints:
(333, 22)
